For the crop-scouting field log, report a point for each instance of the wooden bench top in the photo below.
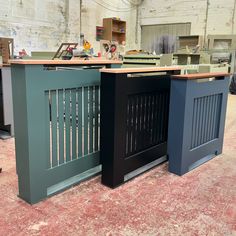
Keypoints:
(139, 70)
(200, 75)
(64, 62)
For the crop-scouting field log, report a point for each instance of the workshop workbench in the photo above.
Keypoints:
(57, 123)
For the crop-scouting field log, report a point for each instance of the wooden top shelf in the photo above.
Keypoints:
(200, 76)
(64, 62)
(117, 20)
(4, 65)
(140, 70)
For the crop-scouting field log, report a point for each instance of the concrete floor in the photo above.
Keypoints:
(202, 202)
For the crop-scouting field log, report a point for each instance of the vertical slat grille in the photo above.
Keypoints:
(147, 121)
(72, 124)
(206, 118)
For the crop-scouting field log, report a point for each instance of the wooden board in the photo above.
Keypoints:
(64, 62)
(200, 75)
(186, 54)
(6, 49)
(114, 30)
(139, 70)
(190, 40)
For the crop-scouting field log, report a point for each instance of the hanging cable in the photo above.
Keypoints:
(102, 5)
(118, 8)
(136, 3)
(126, 3)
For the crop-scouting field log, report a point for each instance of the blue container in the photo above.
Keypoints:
(196, 119)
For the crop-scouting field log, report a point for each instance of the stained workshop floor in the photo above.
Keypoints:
(202, 202)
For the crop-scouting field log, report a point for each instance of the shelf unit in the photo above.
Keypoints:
(222, 42)
(141, 60)
(114, 30)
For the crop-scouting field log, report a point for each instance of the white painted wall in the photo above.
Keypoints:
(219, 18)
(37, 24)
(93, 14)
(44, 24)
